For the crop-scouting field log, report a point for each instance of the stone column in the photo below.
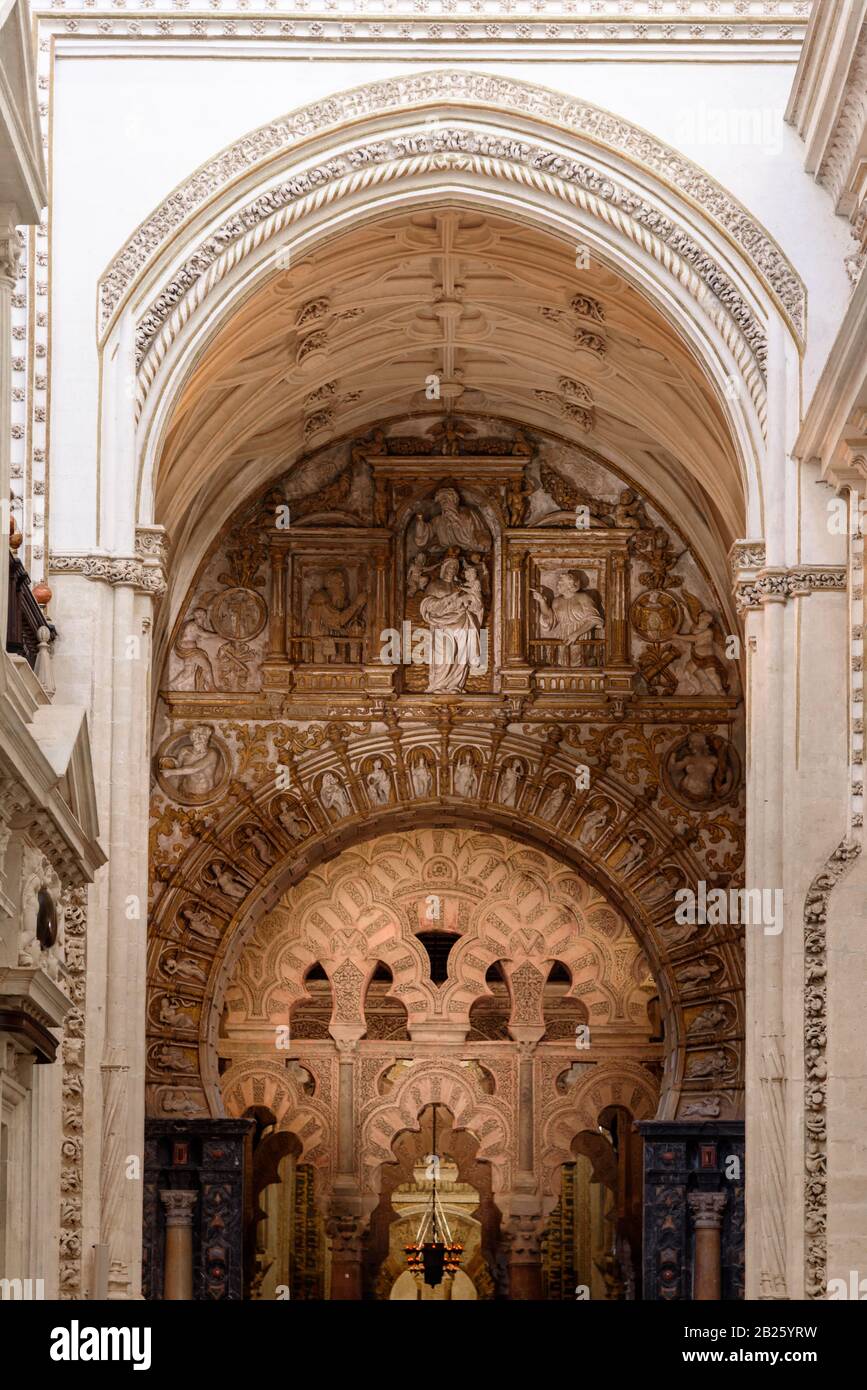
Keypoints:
(345, 1129)
(617, 624)
(344, 1236)
(526, 1052)
(706, 1210)
(179, 1205)
(277, 620)
(524, 1240)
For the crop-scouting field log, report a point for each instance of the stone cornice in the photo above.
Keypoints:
(778, 584)
(144, 571)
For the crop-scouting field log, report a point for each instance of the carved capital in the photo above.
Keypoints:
(706, 1209)
(179, 1205)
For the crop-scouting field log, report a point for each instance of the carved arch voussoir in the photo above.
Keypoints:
(259, 149)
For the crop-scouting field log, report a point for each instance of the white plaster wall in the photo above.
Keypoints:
(126, 131)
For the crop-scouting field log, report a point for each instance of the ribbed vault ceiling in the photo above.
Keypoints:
(500, 313)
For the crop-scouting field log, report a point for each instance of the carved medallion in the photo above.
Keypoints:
(238, 614)
(193, 767)
(701, 771)
(655, 615)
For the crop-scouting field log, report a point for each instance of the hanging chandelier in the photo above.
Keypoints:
(433, 1253)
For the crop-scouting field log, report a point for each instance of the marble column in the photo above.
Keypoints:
(706, 1210)
(179, 1205)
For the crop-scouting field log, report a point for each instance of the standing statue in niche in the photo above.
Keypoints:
(466, 777)
(509, 779)
(333, 795)
(379, 784)
(421, 779)
(453, 612)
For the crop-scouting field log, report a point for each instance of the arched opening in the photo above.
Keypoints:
(466, 654)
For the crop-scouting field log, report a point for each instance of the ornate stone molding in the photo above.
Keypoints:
(777, 585)
(423, 89)
(72, 1142)
(463, 151)
(143, 574)
(746, 555)
(815, 1066)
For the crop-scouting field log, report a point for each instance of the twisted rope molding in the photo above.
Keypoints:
(409, 93)
(194, 281)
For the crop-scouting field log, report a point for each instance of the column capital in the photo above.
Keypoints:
(523, 1235)
(706, 1209)
(179, 1204)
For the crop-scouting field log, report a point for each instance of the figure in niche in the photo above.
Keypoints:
(219, 875)
(553, 803)
(420, 778)
(572, 614)
(466, 777)
(701, 656)
(638, 846)
(454, 525)
(295, 826)
(379, 784)
(701, 771)
(173, 1015)
(258, 844)
(453, 613)
(663, 886)
(594, 823)
(509, 779)
(696, 973)
(168, 1058)
(196, 672)
(197, 767)
(184, 967)
(712, 1017)
(334, 796)
(330, 615)
(706, 1108)
(197, 920)
(715, 1065)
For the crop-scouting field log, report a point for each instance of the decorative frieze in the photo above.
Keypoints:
(72, 1141)
(777, 585)
(143, 573)
(816, 1020)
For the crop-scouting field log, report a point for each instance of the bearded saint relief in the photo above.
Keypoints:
(569, 615)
